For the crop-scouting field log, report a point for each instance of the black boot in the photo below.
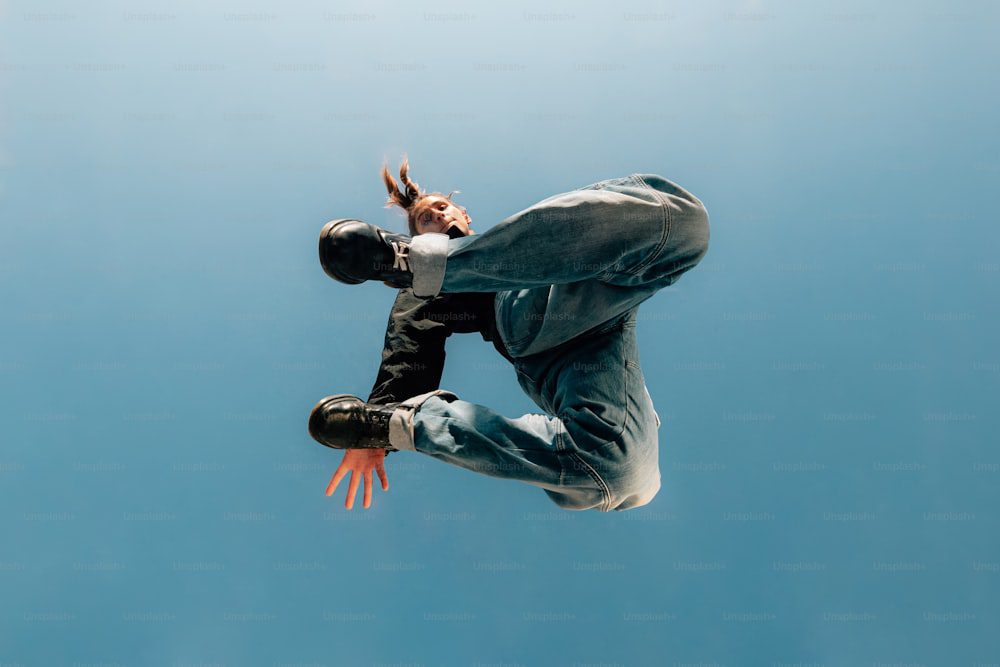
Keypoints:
(353, 251)
(346, 422)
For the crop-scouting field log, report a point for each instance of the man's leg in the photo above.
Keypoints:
(535, 448)
(599, 452)
(572, 262)
(597, 388)
(626, 231)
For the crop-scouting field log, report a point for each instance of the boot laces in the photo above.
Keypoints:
(402, 255)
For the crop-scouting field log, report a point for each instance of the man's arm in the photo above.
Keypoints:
(412, 364)
(413, 353)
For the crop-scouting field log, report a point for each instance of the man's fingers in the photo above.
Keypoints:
(367, 498)
(352, 488)
(357, 473)
(335, 480)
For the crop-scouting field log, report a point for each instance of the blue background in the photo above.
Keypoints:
(827, 376)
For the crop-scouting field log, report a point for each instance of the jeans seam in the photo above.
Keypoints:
(618, 436)
(571, 452)
(665, 211)
(605, 491)
(621, 326)
(560, 430)
(616, 441)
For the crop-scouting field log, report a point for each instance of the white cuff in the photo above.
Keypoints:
(401, 422)
(428, 255)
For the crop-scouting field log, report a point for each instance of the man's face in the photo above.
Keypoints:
(436, 214)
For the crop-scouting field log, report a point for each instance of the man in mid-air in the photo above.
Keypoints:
(556, 287)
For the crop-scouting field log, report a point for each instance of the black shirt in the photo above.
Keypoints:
(413, 354)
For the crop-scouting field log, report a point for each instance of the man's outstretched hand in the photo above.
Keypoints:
(360, 463)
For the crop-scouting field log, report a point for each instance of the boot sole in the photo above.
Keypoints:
(327, 401)
(329, 229)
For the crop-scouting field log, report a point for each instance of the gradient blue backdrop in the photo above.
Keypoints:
(828, 375)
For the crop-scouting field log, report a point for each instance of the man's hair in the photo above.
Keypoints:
(409, 196)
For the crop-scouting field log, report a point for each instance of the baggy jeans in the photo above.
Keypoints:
(570, 273)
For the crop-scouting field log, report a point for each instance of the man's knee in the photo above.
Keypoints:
(632, 495)
(687, 242)
(632, 477)
(697, 231)
(685, 245)
(622, 497)
(629, 489)
(578, 498)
